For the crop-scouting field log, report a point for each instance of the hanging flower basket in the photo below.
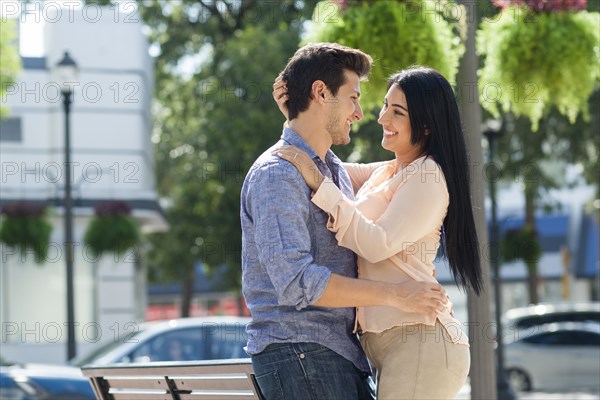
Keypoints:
(539, 54)
(521, 244)
(25, 225)
(397, 34)
(112, 229)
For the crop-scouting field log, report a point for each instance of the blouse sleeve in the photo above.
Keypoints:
(360, 173)
(417, 208)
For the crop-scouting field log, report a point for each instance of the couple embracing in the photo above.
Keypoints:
(338, 258)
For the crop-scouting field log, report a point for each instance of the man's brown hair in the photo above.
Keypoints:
(321, 61)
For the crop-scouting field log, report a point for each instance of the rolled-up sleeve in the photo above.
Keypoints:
(279, 204)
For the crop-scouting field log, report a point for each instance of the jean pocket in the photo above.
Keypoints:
(270, 385)
(458, 358)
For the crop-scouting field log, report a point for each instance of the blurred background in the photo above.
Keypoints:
(127, 128)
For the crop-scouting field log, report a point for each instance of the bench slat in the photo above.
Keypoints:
(182, 383)
(141, 396)
(198, 380)
(193, 383)
(209, 365)
(139, 382)
(167, 369)
(247, 394)
(216, 396)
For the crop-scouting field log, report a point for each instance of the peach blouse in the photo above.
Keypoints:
(394, 227)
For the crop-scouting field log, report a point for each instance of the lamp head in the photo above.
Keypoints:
(492, 129)
(66, 73)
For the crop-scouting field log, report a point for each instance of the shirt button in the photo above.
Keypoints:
(302, 356)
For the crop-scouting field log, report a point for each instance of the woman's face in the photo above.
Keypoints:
(395, 121)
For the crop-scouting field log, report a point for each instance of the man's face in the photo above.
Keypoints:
(343, 109)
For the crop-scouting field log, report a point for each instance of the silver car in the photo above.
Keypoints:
(546, 313)
(183, 339)
(559, 356)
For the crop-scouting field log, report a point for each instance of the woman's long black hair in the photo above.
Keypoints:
(432, 106)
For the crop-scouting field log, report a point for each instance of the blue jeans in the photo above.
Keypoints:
(309, 371)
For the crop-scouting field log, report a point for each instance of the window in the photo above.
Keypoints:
(10, 130)
(209, 341)
(228, 341)
(567, 316)
(176, 345)
(565, 338)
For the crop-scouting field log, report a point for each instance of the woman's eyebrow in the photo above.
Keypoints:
(401, 106)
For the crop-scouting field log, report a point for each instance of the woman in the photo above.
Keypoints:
(404, 209)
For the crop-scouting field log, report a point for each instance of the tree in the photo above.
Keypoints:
(397, 34)
(539, 55)
(541, 64)
(214, 114)
(524, 157)
(211, 121)
(10, 63)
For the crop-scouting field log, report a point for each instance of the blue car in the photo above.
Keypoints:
(42, 382)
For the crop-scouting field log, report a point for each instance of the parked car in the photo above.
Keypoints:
(43, 382)
(525, 317)
(558, 356)
(183, 339)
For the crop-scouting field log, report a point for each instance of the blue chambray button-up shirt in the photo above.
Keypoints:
(288, 256)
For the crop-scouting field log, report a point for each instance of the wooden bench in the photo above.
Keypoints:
(185, 380)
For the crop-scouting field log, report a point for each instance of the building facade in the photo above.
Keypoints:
(111, 159)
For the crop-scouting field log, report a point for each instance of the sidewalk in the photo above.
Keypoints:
(465, 394)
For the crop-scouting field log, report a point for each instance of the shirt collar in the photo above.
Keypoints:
(291, 137)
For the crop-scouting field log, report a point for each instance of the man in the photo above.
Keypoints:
(299, 285)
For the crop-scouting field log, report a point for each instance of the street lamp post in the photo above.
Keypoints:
(67, 70)
(505, 392)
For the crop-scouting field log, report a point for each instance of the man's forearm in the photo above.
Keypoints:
(411, 296)
(349, 292)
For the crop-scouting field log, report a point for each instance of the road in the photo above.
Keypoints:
(558, 396)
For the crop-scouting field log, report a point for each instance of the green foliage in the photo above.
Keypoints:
(111, 233)
(397, 34)
(10, 63)
(27, 233)
(523, 157)
(230, 119)
(212, 123)
(521, 244)
(533, 62)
